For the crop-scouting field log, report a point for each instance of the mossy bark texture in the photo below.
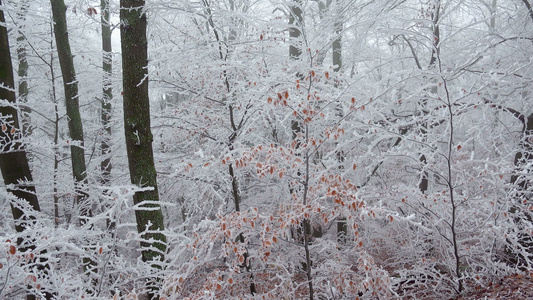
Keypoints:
(137, 127)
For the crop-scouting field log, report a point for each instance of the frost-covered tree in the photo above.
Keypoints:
(302, 149)
(71, 93)
(138, 132)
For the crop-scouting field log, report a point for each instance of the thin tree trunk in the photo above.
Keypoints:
(23, 68)
(423, 185)
(295, 22)
(70, 84)
(295, 53)
(138, 134)
(235, 127)
(336, 46)
(107, 95)
(75, 127)
(451, 190)
(307, 223)
(295, 48)
(492, 10)
(107, 92)
(56, 131)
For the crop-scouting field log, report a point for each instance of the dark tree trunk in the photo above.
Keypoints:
(23, 68)
(295, 53)
(70, 84)
(107, 92)
(521, 180)
(137, 128)
(336, 46)
(13, 161)
(522, 183)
